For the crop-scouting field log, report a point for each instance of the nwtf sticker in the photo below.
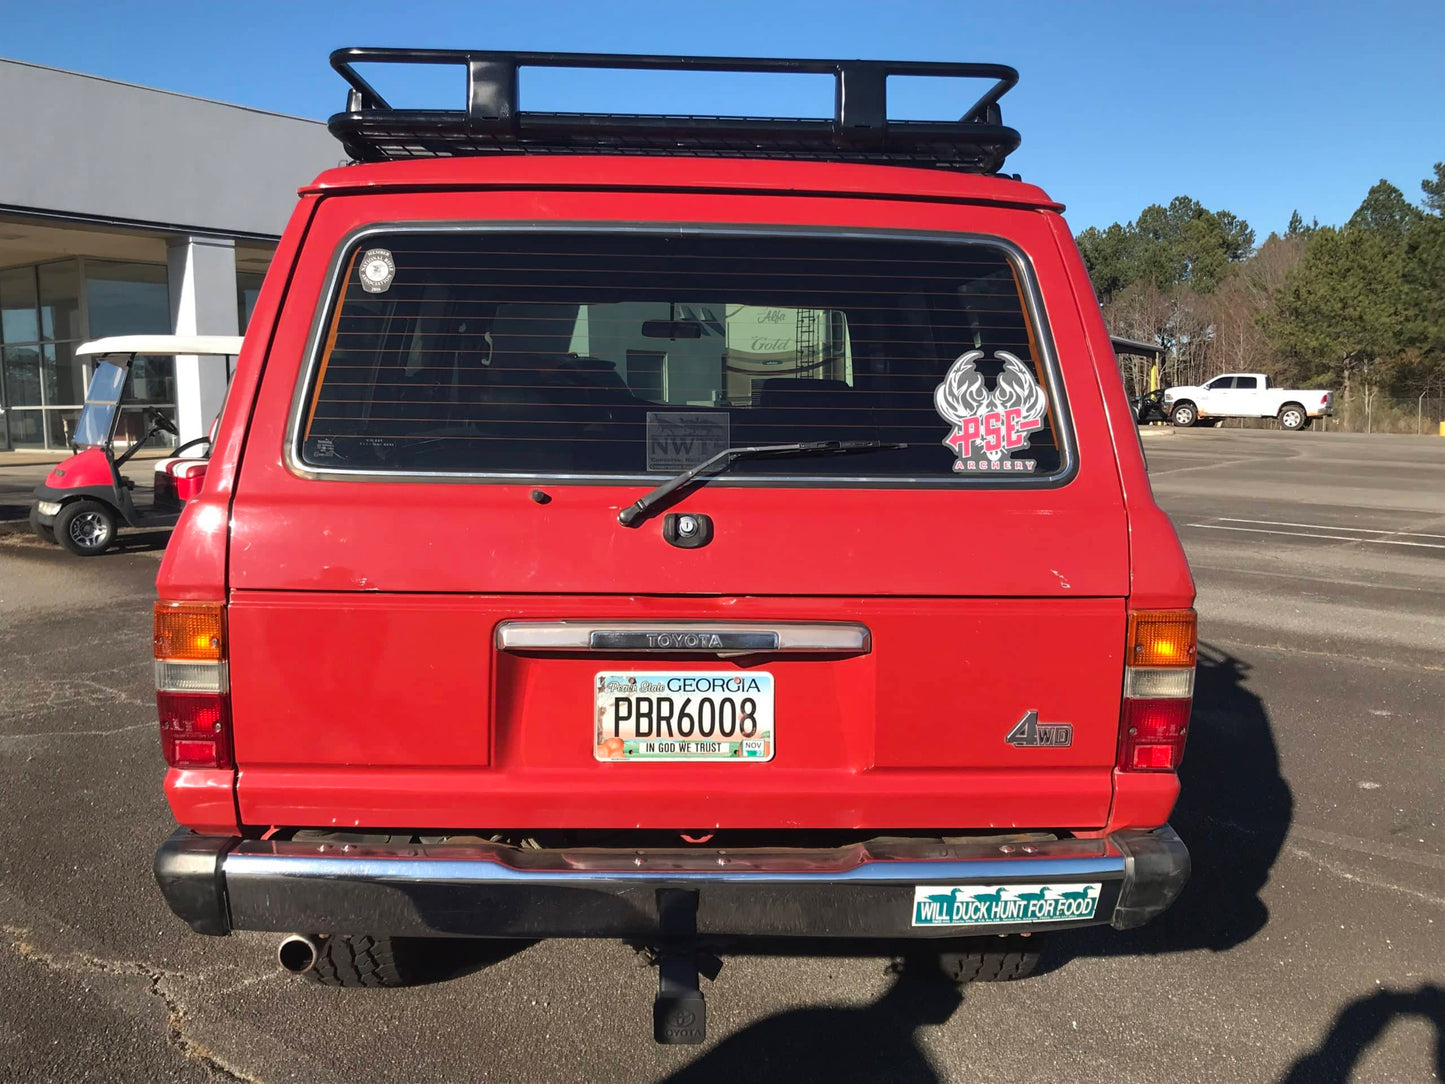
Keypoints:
(988, 423)
(992, 905)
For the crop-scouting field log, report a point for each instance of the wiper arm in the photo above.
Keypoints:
(728, 456)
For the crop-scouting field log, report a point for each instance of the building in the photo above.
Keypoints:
(125, 209)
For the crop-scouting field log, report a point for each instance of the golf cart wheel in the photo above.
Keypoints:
(1185, 415)
(42, 532)
(1292, 416)
(1013, 958)
(85, 528)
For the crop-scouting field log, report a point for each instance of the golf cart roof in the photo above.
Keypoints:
(165, 345)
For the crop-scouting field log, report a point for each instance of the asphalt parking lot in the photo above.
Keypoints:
(1309, 946)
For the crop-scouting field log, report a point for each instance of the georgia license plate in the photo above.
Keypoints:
(671, 715)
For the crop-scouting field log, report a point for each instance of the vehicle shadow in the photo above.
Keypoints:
(1361, 1023)
(1234, 811)
(141, 541)
(866, 1043)
(442, 959)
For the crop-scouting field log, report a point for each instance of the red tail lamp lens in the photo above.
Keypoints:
(195, 729)
(1154, 734)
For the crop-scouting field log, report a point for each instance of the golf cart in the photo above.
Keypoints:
(86, 498)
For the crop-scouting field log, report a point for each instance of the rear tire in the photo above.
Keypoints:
(1184, 415)
(85, 528)
(362, 960)
(42, 532)
(1014, 959)
(1292, 416)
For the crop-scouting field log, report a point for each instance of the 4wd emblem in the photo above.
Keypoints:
(1029, 733)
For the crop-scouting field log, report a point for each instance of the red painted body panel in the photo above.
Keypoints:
(297, 533)
(194, 566)
(908, 735)
(365, 686)
(1159, 572)
(88, 468)
(599, 173)
(204, 800)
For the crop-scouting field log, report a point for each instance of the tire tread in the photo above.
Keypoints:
(358, 961)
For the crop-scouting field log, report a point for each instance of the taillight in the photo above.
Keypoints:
(1158, 689)
(193, 700)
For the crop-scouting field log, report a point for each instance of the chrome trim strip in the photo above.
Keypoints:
(1022, 262)
(491, 871)
(706, 640)
(715, 638)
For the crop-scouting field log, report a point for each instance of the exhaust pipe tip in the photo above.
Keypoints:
(297, 953)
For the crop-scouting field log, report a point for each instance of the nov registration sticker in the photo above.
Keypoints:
(682, 715)
(994, 905)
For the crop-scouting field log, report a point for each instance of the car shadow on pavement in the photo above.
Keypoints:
(836, 1043)
(141, 541)
(1361, 1023)
(1233, 813)
(441, 959)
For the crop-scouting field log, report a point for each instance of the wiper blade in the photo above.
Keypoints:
(728, 456)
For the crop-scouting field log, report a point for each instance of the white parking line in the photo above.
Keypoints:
(1329, 527)
(1325, 537)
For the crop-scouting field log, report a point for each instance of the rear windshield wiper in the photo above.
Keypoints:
(728, 456)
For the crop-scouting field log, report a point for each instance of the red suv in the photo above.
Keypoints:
(673, 529)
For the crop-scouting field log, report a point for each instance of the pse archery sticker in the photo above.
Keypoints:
(987, 423)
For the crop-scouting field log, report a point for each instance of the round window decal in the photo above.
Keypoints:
(377, 270)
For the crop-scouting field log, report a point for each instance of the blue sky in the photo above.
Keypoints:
(1258, 107)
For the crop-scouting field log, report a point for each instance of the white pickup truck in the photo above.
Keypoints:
(1246, 395)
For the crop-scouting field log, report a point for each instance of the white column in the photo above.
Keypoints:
(203, 302)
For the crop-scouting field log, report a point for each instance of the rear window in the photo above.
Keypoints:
(624, 353)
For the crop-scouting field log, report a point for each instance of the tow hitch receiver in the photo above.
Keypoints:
(679, 1013)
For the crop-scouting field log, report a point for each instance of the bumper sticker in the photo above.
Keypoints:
(984, 905)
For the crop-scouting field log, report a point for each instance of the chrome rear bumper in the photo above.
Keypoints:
(865, 890)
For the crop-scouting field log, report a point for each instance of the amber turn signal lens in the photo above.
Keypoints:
(1162, 638)
(189, 630)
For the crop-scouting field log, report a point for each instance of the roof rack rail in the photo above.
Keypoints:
(492, 123)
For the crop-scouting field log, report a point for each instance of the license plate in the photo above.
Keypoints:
(673, 715)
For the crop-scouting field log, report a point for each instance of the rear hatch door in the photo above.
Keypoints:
(441, 455)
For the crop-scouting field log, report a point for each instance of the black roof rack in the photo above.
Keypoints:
(492, 122)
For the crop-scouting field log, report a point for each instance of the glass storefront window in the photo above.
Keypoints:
(22, 376)
(62, 426)
(132, 425)
(64, 374)
(18, 321)
(46, 311)
(26, 428)
(152, 380)
(60, 300)
(248, 288)
(126, 299)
